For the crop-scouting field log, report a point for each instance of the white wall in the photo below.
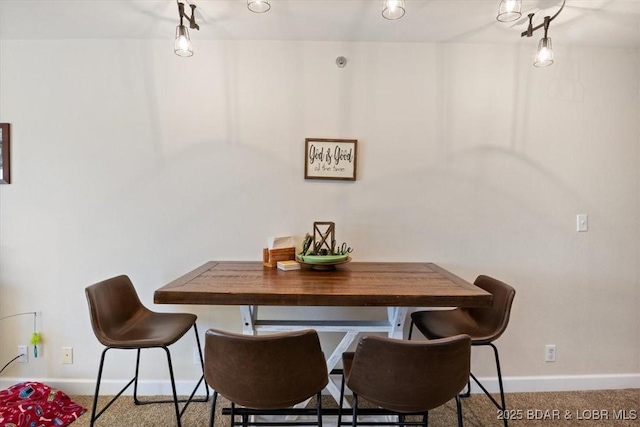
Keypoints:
(129, 160)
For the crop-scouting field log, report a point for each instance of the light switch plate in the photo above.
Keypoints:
(582, 222)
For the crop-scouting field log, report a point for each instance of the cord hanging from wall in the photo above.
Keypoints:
(35, 340)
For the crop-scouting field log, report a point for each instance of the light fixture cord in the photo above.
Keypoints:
(34, 313)
(26, 313)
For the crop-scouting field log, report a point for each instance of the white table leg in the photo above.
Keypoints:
(249, 314)
(332, 362)
(397, 316)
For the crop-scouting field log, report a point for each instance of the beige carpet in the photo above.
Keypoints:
(529, 409)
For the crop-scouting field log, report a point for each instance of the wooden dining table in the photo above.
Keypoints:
(396, 286)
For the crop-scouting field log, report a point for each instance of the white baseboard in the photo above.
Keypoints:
(85, 387)
(562, 383)
(511, 384)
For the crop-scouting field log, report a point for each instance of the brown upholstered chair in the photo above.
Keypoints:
(406, 378)
(120, 321)
(265, 375)
(483, 325)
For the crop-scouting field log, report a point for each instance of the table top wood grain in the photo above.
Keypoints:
(381, 284)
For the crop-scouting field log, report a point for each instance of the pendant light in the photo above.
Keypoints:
(182, 45)
(544, 55)
(258, 6)
(509, 10)
(393, 9)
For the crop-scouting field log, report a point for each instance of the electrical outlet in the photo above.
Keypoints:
(550, 353)
(67, 355)
(23, 351)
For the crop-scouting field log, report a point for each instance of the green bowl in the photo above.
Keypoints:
(319, 259)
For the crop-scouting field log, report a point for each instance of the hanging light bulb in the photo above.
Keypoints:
(393, 9)
(544, 55)
(509, 10)
(182, 45)
(258, 6)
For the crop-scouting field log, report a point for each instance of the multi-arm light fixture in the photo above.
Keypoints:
(509, 10)
(182, 46)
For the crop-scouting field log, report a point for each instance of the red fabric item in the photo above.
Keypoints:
(33, 404)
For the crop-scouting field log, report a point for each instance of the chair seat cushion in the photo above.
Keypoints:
(447, 323)
(149, 329)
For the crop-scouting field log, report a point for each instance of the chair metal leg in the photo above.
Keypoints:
(212, 415)
(233, 414)
(173, 387)
(319, 397)
(135, 383)
(459, 410)
(202, 379)
(206, 387)
(425, 418)
(410, 331)
(502, 406)
(502, 400)
(94, 417)
(175, 400)
(354, 421)
(95, 396)
(341, 402)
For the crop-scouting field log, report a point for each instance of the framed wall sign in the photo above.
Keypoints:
(330, 159)
(5, 169)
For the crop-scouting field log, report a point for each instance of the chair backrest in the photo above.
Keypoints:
(267, 371)
(493, 319)
(410, 376)
(112, 303)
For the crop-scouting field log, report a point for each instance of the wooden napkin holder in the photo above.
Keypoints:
(270, 257)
